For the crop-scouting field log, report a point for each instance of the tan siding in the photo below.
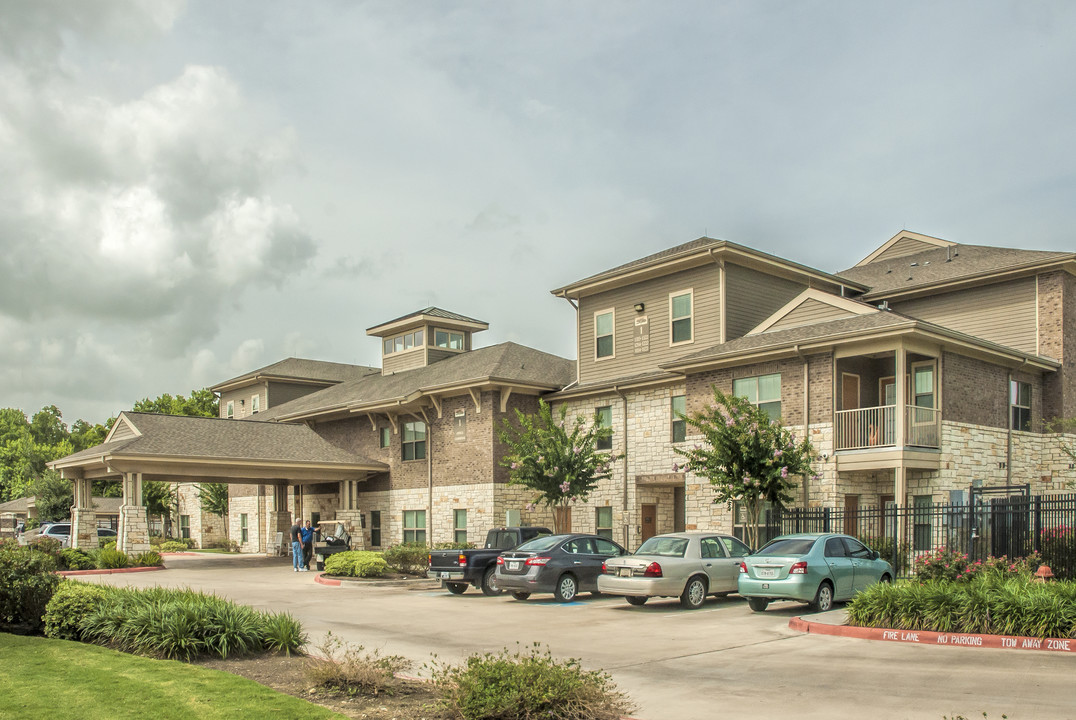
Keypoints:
(123, 432)
(752, 297)
(809, 312)
(436, 354)
(1003, 313)
(654, 294)
(280, 393)
(406, 360)
(903, 247)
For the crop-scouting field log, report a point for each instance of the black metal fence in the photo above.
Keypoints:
(1014, 526)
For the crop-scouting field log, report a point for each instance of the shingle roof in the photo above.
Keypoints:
(933, 266)
(507, 362)
(218, 438)
(303, 369)
(432, 312)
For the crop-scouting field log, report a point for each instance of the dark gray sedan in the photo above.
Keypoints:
(564, 565)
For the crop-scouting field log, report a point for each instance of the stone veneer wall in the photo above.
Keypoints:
(205, 527)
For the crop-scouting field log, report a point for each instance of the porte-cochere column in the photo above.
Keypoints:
(134, 520)
(83, 517)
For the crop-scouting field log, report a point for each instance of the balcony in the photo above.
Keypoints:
(876, 428)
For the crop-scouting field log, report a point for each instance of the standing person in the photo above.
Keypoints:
(307, 534)
(296, 544)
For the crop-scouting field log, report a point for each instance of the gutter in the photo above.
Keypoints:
(624, 422)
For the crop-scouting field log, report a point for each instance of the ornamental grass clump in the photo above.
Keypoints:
(342, 666)
(527, 686)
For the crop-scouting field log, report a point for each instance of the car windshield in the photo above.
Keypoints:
(664, 546)
(541, 544)
(787, 546)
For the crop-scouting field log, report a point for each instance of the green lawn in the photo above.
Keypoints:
(57, 678)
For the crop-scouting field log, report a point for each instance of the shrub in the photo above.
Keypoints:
(223, 544)
(173, 546)
(356, 563)
(518, 686)
(47, 545)
(884, 545)
(69, 604)
(282, 633)
(148, 559)
(409, 558)
(349, 668)
(454, 546)
(1059, 550)
(75, 559)
(109, 559)
(944, 564)
(109, 545)
(27, 582)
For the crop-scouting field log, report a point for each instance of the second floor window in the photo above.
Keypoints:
(605, 420)
(446, 339)
(230, 409)
(255, 403)
(385, 438)
(414, 441)
(763, 391)
(681, 317)
(603, 334)
(404, 342)
(679, 425)
(1020, 404)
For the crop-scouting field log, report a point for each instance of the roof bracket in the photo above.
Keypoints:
(373, 423)
(506, 392)
(476, 396)
(436, 401)
(392, 421)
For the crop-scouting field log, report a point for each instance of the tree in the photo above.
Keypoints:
(161, 499)
(53, 496)
(201, 403)
(747, 457)
(559, 462)
(213, 498)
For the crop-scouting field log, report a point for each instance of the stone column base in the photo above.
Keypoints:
(83, 528)
(352, 520)
(133, 536)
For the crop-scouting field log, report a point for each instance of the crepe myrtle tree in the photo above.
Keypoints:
(748, 457)
(556, 458)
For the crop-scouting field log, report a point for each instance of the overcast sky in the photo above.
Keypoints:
(189, 191)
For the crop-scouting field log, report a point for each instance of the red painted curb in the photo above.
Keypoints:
(924, 637)
(319, 578)
(113, 571)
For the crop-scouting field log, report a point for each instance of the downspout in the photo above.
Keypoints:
(624, 422)
(1008, 424)
(578, 344)
(429, 485)
(806, 416)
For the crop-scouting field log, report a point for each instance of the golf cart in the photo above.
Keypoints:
(332, 537)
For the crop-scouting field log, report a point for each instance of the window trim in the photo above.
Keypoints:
(450, 333)
(229, 409)
(598, 527)
(1014, 399)
(933, 365)
(413, 443)
(611, 312)
(388, 344)
(757, 402)
(244, 528)
(600, 444)
(384, 433)
(416, 528)
(690, 292)
(375, 527)
(255, 403)
(675, 420)
(456, 529)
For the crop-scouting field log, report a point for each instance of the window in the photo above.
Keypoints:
(185, 526)
(447, 339)
(710, 548)
(385, 438)
(255, 403)
(605, 420)
(459, 522)
(603, 334)
(679, 425)
(414, 526)
(403, 342)
(923, 386)
(244, 532)
(603, 521)
(681, 311)
(1020, 400)
(375, 528)
(607, 548)
(414, 441)
(735, 548)
(231, 409)
(922, 508)
(763, 391)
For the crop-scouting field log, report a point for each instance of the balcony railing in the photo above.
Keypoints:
(876, 427)
(866, 427)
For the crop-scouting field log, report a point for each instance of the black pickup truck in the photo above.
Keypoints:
(459, 568)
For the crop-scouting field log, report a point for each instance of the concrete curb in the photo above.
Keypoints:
(324, 579)
(923, 637)
(112, 571)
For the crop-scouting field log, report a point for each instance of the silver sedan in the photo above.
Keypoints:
(688, 565)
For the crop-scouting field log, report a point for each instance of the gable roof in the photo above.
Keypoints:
(301, 370)
(420, 317)
(699, 252)
(953, 264)
(810, 307)
(507, 364)
(904, 243)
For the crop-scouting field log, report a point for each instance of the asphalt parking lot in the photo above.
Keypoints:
(721, 660)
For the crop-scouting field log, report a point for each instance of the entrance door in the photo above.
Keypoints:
(849, 391)
(650, 522)
(851, 514)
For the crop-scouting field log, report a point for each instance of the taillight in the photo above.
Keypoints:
(605, 570)
(429, 559)
(743, 567)
(462, 559)
(500, 560)
(537, 560)
(799, 568)
(652, 570)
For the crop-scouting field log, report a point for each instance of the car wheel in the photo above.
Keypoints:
(521, 595)
(757, 604)
(694, 594)
(636, 601)
(823, 599)
(566, 588)
(456, 588)
(885, 580)
(489, 582)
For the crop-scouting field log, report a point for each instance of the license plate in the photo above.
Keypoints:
(444, 576)
(513, 566)
(768, 573)
(625, 572)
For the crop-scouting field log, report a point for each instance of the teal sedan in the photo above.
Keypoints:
(815, 568)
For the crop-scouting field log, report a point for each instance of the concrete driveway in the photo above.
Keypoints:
(722, 660)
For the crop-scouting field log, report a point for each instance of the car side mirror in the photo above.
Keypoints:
(875, 555)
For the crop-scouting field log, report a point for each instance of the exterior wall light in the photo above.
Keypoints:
(639, 307)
